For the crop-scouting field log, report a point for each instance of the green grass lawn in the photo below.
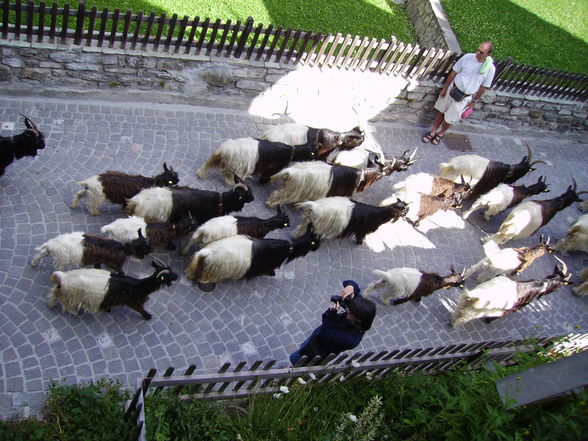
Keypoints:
(372, 18)
(549, 33)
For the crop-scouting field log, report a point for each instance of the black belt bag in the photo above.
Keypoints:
(457, 94)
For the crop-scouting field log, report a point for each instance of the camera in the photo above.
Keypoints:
(341, 300)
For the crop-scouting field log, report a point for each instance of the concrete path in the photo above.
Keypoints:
(262, 319)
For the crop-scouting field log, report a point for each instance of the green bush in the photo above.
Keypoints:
(89, 412)
(172, 419)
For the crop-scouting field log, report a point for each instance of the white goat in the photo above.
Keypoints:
(404, 284)
(501, 296)
(508, 261)
(125, 229)
(528, 217)
(576, 238)
(505, 196)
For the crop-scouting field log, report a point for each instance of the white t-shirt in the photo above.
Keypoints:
(468, 78)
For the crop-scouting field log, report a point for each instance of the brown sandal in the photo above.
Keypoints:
(437, 139)
(427, 138)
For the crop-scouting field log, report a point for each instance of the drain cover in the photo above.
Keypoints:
(460, 143)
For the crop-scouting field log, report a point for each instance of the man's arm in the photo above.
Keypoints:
(448, 81)
(477, 96)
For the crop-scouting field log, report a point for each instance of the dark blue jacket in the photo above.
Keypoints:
(335, 335)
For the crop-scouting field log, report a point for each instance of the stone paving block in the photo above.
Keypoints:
(261, 318)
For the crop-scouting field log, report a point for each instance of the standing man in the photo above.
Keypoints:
(343, 325)
(471, 76)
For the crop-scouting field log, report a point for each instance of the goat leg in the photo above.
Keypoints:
(359, 238)
(401, 300)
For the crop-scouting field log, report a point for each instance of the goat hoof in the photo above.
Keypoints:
(147, 316)
(206, 287)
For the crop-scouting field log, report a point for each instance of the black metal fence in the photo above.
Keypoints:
(260, 377)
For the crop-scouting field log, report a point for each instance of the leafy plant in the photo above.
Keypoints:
(198, 420)
(91, 412)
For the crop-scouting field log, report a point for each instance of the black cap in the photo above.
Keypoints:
(356, 288)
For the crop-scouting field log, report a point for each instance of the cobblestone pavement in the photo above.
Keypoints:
(261, 319)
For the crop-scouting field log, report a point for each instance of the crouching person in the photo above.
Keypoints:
(343, 325)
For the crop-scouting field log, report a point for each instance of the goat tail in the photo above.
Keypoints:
(196, 267)
(464, 311)
(130, 207)
(215, 161)
(56, 278)
(42, 251)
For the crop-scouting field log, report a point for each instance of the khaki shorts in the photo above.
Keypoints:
(450, 108)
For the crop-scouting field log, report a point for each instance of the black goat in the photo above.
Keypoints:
(117, 187)
(95, 290)
(225, 226)
(239, 257)
(19, 146)
(171, 204)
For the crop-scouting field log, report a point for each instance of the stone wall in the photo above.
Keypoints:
(431, 25)
(68, 72)
(495, 108)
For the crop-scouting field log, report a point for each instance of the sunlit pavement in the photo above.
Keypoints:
(261, 319)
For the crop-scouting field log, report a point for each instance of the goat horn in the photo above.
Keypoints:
(564, 266)
(581, 192)
(538, 161)
(165, 167)
(529, 153)
(29, 123)
(412, 155)
(159, 261)
(241, 185)
(574, 186)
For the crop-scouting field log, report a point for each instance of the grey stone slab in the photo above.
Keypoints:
(262, 318)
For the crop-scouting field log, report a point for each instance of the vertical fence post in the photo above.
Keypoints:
(80, 16)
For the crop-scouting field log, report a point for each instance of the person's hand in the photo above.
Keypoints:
(334, 306)
(472, 104)
(347, 292)
(443, 92)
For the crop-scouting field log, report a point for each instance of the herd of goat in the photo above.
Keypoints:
(232, 247)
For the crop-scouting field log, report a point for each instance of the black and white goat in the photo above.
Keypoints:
(505, 196)
(19, 146)
(507, 261)
(309, 181)
(251, 157)
(329, 140)
(483, 174)
(225, 226)
(171, 204)
(82, 249)
(527, 217)
(404, 284)
(582, 289)
(338, 217)
(239, 257)
(432, 185)
(116, 187)
(576, 237)
(158, 233)
(501, 295)
(95, 290)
